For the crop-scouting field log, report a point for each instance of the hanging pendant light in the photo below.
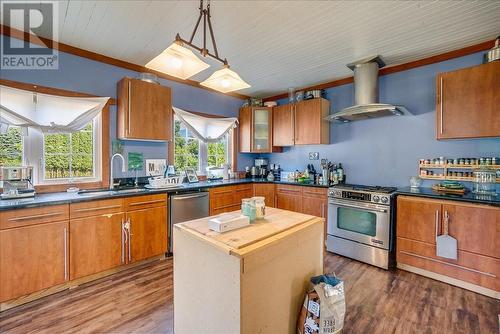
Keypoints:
(177, 61)
(181, 62)
(225, 80)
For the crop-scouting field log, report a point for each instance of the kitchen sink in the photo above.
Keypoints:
(103, 192)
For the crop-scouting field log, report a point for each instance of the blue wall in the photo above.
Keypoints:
(385, 151)
(88, 76)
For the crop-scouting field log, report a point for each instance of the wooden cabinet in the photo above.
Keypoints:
(146, 227)
(475, 227)
(283, 125)
(265, 190)
(228, 198)
(144, 110)
(315, 201)
(310, 124)
(289, 197)
(32, 258)
(301, 123)
(468, 102)
(256, 130)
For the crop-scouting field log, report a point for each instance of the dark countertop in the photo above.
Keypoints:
(64, 197)
(467, 197)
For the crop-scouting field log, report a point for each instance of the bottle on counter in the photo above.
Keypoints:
(340, 173)
(247, 173)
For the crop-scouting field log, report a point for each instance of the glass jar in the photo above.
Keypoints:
(260, 207)
(484, 180)
(248, 208)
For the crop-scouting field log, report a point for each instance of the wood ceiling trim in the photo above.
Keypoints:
(25, 36)
(401, 67)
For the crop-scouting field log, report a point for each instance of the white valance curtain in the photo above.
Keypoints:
(48, 113)
(207, 129)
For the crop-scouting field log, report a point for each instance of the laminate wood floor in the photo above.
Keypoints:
(140, 300)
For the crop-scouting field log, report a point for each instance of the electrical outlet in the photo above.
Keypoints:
(313, 155)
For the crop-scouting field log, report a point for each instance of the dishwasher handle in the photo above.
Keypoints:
(189, 196)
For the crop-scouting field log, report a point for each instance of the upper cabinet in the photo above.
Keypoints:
(256, 130)
(144, 111)
(468, 102)
(302, 123)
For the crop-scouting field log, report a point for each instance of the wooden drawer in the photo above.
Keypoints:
(225, 209)
(96, 208)
(221, 197)
(33, 216)
(289, 189)
(242, 191)
(473, 268)
(222, 190)
(145, 201)
(321, 193)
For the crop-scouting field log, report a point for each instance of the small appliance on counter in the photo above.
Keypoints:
(360, 223)
(215, 173)
(17, 182)
(260, 168)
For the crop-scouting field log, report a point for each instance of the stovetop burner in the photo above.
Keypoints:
(378, 189)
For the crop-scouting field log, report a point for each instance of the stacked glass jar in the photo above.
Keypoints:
(254, 208)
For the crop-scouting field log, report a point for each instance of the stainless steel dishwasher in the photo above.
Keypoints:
(183, 207)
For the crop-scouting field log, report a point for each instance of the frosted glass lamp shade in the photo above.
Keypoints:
(177, 61)
(225, 80)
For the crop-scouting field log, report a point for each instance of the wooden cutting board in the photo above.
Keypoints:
(276, 221)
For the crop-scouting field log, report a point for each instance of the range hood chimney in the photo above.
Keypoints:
(366, 94)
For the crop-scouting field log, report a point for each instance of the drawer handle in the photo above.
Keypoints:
(36, 216)
(288, 191)
(223, 192)
(313, 193)
(225, 206)
(147, 202)
(98, 208)
(449, 264)
(245, 189)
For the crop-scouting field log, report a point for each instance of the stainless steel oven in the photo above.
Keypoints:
(360, 223)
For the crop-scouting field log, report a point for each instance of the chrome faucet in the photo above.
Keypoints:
(111, 179)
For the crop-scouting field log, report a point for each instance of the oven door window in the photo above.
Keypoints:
(357, 221)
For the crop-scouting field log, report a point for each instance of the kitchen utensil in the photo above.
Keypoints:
(494, 53)
(299, 96)
(446, 245)
(314, 94)
(270, 104)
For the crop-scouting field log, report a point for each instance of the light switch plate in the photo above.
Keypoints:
(155, 166)
(313, 155)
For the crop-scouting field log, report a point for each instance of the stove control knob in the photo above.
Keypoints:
(376, 198)
(384, 200)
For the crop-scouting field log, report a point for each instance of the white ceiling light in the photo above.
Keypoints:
(181, 62)
(177, 61)
(225, 80)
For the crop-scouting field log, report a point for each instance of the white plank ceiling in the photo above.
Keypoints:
(279, 44)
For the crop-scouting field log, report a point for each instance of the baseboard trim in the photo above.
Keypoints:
(452, 281)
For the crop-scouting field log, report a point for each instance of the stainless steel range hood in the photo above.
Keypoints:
(366, 94)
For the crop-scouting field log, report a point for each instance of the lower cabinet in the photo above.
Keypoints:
(475, 227)
(97, 244)
(33, 258)
(289, 197)
(228, 198)
(265, 190)
(148, 233)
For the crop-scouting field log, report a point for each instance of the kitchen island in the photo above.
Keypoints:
(249, 280)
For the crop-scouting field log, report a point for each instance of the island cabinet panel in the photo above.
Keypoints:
(265, 190)
(418, 219)
(289, 197)
(283, 125)
(144, 110)
(147, 233)
(468, 102)
(311, 127)
(33, 258)
(476, 229)
(253, 279)
(97, 244)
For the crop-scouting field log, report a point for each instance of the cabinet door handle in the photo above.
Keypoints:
(65, 254)
(147, 202)
(129, 240)
(98, 208)
(436, 222)
(441, 95)
(295, 136)
(44, 215)
(323, 210)
(129, 105)
(124, 241)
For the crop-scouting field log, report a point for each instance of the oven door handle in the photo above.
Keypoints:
(358, 207)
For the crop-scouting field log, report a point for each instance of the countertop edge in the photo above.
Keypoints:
(469, 197)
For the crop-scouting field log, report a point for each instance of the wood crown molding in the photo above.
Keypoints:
(400, 67)
(25, 36)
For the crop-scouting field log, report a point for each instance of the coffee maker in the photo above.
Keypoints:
(17, 182)
(261, 167)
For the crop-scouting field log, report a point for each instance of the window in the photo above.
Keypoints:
(55, 157)
(11, 147)
(190, 152)
(69, 155)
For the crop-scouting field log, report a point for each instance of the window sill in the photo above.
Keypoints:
(51, 188)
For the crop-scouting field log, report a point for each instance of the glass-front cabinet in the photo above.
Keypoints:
(255, 130)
